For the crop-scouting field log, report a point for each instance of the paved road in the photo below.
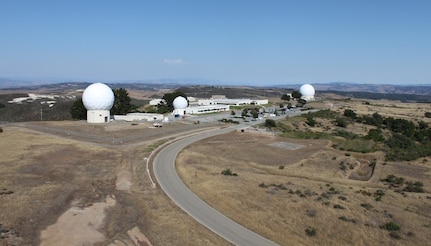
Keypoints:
(170, 182)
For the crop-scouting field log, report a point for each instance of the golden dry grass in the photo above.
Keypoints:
(48, 174)
(311, 191)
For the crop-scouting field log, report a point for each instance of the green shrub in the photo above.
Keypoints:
(393, 180)
(414, 187)
(390, 226)
(310, 121)
(270, 123)
(350, 113)
(345, 134)
(378, 195)
(310, 231)
(357, 144)
(340, 122)
(343, 167)
(343, 198)
(228, 172)
(229, 121)
(367, 206)
(305, 135)
(326, 113)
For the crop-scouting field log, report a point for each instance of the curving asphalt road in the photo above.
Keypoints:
(170, 182)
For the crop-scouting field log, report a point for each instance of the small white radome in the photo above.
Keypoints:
(180, 103)
(307, 90)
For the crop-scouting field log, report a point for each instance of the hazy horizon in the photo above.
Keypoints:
(20, 82)
(241, 42)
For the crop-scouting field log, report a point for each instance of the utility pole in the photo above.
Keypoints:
(40, 114)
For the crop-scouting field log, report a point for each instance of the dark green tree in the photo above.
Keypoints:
(170, 97)
(285, 97)
(162, 108)
(255, 114)
(296, 94)
(78, 111)
(402, 126)
(244, 112)
(376, 135)
(350, 113)
(122, 103)
(378, 119)
(310, 120)
(301, 102)
(423, 125)
(270, 123)
(340, 122)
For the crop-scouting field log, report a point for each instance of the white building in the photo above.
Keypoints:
(139, 117)
(156, 101)
(207, 109)
(231, 102)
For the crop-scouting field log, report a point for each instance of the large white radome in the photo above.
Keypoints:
(180, 103)
(98, 96)
(307, 90)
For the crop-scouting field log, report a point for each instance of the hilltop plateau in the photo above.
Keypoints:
(310, 179)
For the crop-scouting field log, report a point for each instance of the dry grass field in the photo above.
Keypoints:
(292, 191)
(296, 192)
(48, 171)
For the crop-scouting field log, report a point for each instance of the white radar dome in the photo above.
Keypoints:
(98, 96)
(307, 90)
(180, 103)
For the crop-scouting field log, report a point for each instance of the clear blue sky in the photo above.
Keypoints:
(257, 42)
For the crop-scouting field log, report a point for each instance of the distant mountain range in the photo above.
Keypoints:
(375, 88)
(13, 84)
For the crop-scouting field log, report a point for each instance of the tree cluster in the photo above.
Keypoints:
(296, 95)
(404, 140)
(253, 112)
(407, 141)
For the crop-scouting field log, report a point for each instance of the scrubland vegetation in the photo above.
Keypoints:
(401, 139)
(369, 184)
